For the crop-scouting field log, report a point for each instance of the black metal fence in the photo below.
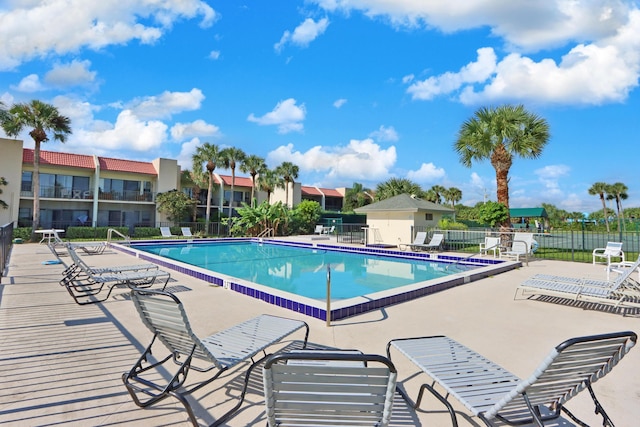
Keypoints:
(6, 236)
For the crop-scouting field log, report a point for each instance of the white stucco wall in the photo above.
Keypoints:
(392, 227)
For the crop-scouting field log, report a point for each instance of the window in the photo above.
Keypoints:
(26, 181)
(428, 217)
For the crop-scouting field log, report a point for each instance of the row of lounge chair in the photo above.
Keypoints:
(91, 285)
(166, 232)
(347, 387)
(419, 242)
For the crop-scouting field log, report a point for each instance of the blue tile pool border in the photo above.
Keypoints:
(290, 303)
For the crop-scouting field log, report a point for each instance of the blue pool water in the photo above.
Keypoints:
(303, 271)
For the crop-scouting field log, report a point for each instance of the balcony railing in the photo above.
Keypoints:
(73, 193)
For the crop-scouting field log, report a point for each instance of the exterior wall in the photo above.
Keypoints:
(168, 179)
(11, 170)
(295, 195)
(392, 227)
(420, 220)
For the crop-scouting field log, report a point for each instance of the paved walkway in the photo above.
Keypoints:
(61, 363)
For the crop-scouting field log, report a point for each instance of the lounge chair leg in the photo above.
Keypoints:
(606, 421)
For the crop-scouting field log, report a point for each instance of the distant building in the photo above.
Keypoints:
(80, 189)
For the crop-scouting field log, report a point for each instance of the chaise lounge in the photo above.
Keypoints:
(493, 394)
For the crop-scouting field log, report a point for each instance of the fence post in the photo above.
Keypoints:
(328, 294)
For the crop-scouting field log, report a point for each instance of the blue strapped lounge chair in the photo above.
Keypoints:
(494, 394)
(164, 315)
(328, 388)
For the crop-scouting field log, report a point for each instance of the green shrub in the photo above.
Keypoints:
(99, 233)
(23, 233)
(142, 232)
(447, 224)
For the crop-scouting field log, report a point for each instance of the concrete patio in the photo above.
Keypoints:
(62, 363)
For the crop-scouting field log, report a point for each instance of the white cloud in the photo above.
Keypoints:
(186, 153)
(339, 102)
(286, 115)
(180, 131)
(550, 177)
(215, 54)
(72, 25)
(304, 33)
(29, 84)
(384, 134)
(128, 133)
(427, 174)
(526, 25)
(166, 104)
(71, 74)
(362, 160)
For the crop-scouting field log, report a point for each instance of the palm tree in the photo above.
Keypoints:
(600, 189)
(396, 186)
(499, 134)
(289, 173)
(209, 155)
(356, 197)
(438, 191)
(618, 192)
(230, 156)
(452, 195)
(3, 204)
(253, 165)
(268, 181)
(42, 118)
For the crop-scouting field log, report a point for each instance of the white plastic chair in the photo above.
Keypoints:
(613, 250)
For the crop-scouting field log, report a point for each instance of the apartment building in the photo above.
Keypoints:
(81, 189)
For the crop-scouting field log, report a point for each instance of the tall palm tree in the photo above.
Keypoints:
(43, 119)
(618, 192)
(439, 191)
(268, 181)
(452, 195)
(209, 156)
(230, 157)
(500, 134)
(253, 165)
(600, 189)
(396, 186)
(289, 173)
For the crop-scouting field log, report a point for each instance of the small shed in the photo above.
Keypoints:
(535, 217)
(392, 220)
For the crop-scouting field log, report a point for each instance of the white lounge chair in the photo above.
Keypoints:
(329, 230)
(164, 315)
(336, 388)
(319, 229)
(495, 395)
(522, 245)
(490, 244)
(85, 283)
(622, 292)
(186, 231)
(613, 250)
(166, 232)
(420, 238)
(434, 244)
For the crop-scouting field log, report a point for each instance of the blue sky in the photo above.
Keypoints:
(349, 90)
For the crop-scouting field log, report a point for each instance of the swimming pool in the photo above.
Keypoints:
(414, 274)
(303, 270)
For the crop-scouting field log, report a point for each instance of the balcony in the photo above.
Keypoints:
(50, 192)
(127, 196)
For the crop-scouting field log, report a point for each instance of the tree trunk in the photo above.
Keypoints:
(208, 211)
(233, 181)
(604, 211)
(36, 190)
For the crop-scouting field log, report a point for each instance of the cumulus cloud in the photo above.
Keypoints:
(80, 24)
(550, 177)
(166, 104)
(29, 84)
(427, 174)
(129, 132)
(181, 131)
(286, 115)
(303, 34)
(385, 134)
(186, 153)
(214, 54)
(361, 160)
(71, 74)
(339, 102)
(525, 25)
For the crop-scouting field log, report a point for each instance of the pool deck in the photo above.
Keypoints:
(61, 363)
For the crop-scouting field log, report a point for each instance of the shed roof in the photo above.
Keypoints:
(403, 203)
(528, 212)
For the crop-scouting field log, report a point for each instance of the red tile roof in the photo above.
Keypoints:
(240, 181)
(109, 164)
(313, 191)
(55, 158)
